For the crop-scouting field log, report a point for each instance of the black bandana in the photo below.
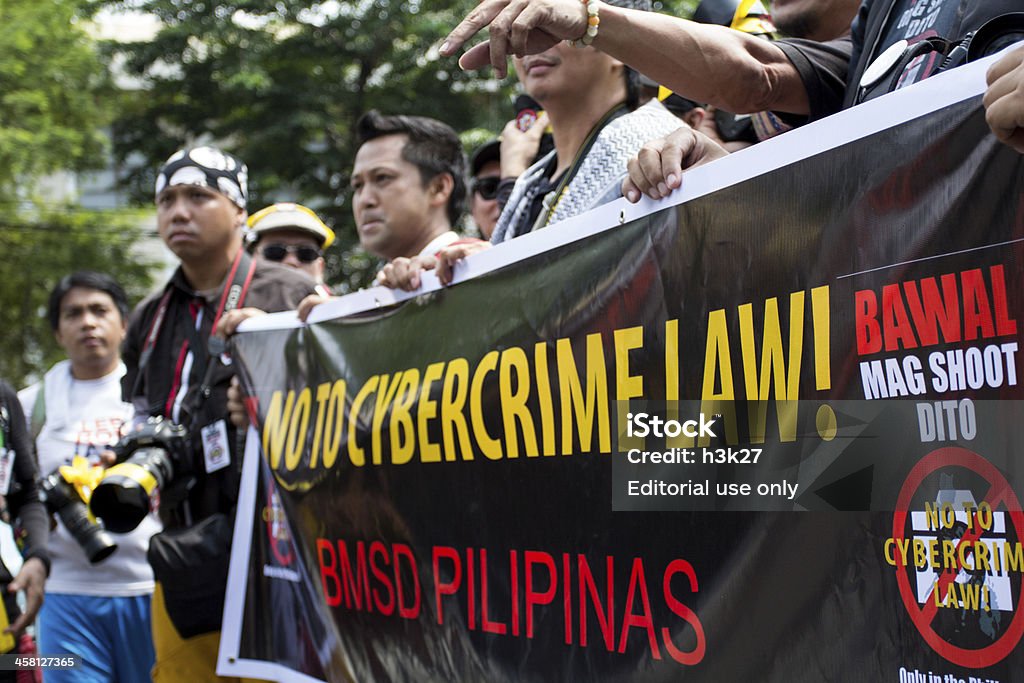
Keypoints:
(206, 167)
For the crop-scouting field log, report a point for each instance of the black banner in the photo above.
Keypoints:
(443, 489)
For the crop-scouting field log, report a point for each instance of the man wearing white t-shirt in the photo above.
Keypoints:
(99, 612)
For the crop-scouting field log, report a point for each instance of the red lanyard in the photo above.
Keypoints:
(235, 289)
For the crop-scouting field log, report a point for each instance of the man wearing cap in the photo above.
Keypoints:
(294, 235)
(485, 167)
(178, 372)
(497, 164)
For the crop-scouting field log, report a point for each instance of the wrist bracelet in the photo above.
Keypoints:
(593, 23)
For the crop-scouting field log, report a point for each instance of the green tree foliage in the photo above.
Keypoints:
(52, 90)
(39, 249)
(677, 8)
(49, 76)
(281, 83)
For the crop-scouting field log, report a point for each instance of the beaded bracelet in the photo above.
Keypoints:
(593, 22)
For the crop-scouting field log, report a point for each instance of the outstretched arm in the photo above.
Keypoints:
(713, 64)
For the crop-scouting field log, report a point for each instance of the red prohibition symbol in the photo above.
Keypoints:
(999, 494)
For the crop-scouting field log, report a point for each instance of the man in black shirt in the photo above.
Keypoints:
(176, 371)
(731, 69)
(19, 498)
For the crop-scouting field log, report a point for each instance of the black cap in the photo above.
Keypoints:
(485, 153)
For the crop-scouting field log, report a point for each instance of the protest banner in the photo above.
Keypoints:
(470, 483)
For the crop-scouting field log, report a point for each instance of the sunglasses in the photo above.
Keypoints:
(278, 252)
(486, 187)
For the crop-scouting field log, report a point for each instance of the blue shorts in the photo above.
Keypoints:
(112, 636)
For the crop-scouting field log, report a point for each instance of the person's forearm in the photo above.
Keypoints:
(708, 64)
(36, 523)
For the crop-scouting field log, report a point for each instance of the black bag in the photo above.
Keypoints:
(191, 566)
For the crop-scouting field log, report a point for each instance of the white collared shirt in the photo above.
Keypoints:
(440, 242)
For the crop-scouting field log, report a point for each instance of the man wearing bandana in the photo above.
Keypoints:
(177, 371)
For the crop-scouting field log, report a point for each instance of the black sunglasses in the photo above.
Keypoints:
(278, 252)
(486, 187)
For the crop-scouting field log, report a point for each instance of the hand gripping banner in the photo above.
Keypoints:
(765, 431)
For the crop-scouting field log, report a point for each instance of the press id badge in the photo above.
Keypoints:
(216, 454)
(6, 470)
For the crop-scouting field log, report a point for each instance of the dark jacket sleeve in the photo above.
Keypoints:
(276, 288)
(23, 501)
(823, 69)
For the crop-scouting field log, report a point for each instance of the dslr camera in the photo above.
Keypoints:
(63, 500)
(148, 459)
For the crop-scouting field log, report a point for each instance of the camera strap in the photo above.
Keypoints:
(239, 278)
(886, 73)
(152, 335)
(236, 287)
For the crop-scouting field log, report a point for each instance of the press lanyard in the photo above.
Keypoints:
(235, 289)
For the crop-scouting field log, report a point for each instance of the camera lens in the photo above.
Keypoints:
(995, 34)
(123, 499)
(64, 501)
